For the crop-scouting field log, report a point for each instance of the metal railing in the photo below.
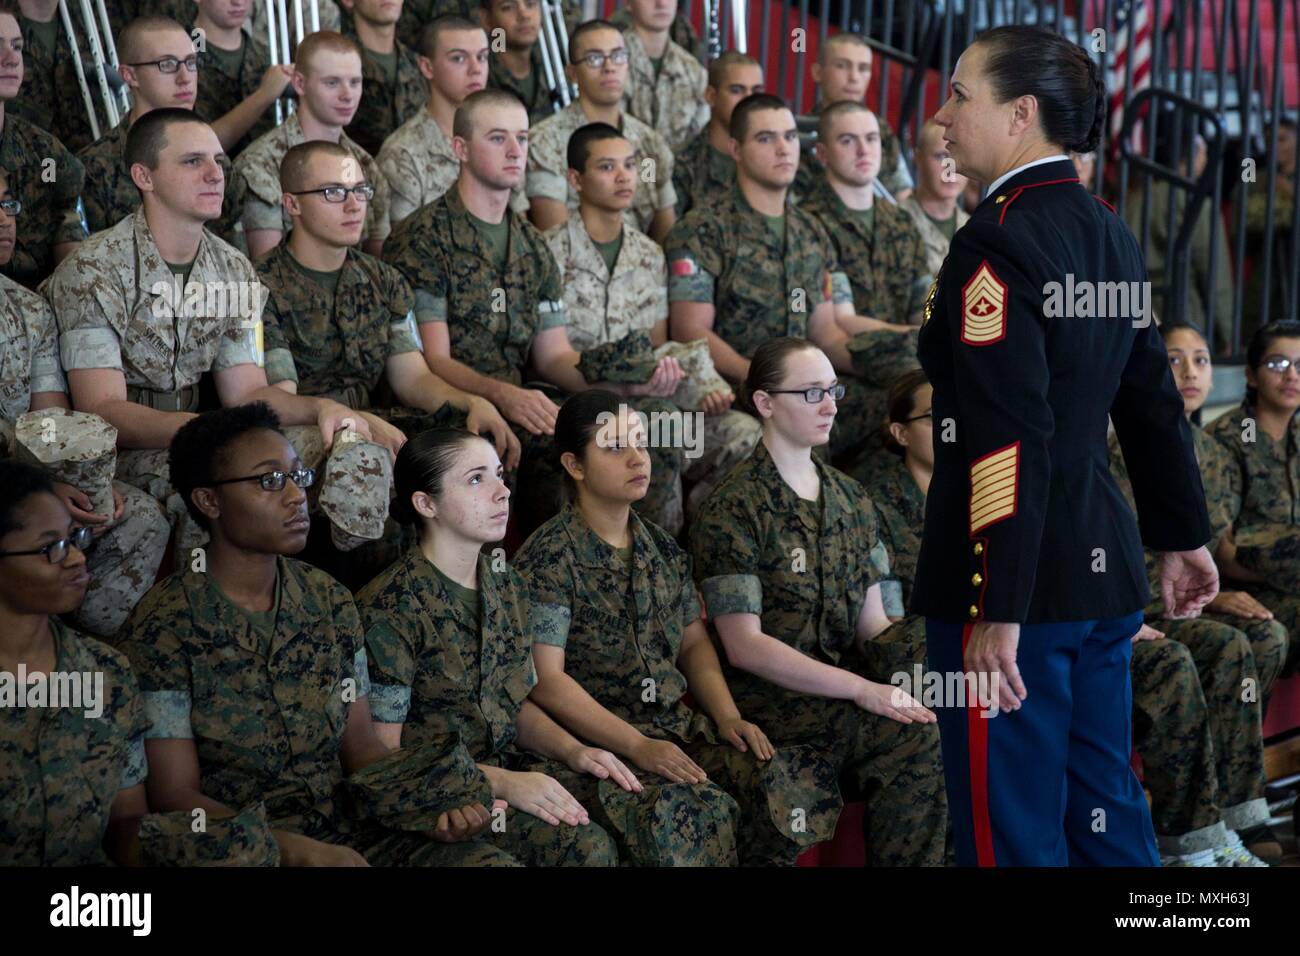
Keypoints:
(1224, 72)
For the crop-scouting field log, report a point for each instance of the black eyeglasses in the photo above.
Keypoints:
(11, 207)
(56, 552)
(917, 418)
(364, 192)
(169, 64)
(274, 480)
(812, 396)
(596, 60)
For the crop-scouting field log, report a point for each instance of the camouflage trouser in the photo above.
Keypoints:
(1269, 644)
(666, 824)
(1225, 664)
(384, 847)
(1171, 730)
(539, 487)
(1285, 608)
(534, 842)
(147, 469)
(766, 807)
(123, 564)
(896, 768)
(728, 440)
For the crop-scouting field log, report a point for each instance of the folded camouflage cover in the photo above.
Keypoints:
(410, 788)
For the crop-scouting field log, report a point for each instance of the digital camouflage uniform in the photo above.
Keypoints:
(605, 313)
(44, 175)
(548, 164)
(259, 166)
(60, 770)
(725, 254)
(886, 266)
(701, 173)
(420, 165)
(682, 32)
(621, 630)
(224, 84)
(110, 195)
(894, 175)
(418, 14)
(125, 558)
(50, 97)
(1266, 529)
(491, 318)
(114, 299)
(1236, 661)
(384, 106)
(543, 100)
(442, 674)
(900, 515)
(805, 569)
(936, 243)
(670, 101)
(267, 719)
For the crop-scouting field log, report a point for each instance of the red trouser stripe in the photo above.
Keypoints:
(977, 743)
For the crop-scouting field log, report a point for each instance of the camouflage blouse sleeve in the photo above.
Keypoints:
(152, 642)
(387, 613)
(550, 594)
(550, 298)
(280, 366)
(725, 548)
(403, 331)
(45, 370)
(657, 149)
(693, 250)
(348, 632)
(129, 715)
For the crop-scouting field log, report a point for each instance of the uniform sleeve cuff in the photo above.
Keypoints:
(390, 703)
(732, 594)
(550, 624)
(430, 307)
(168, 713)
(90, 348)
(546, 185)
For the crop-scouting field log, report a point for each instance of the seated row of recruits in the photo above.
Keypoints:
(311, 730)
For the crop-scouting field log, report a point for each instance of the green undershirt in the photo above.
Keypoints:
(467, 598)
(609, 250)
(777, 225)
(261, 623)
(329, 281)
(946, 226)
(387, 63)
(226, 61)
(182, 271)
(497, 237)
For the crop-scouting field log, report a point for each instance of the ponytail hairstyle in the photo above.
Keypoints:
(1260, 343)
(1033, 61)
(579, 420)
(901, 402)
(767, 369)
(422, 464)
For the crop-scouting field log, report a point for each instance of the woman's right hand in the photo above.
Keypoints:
(668, 761)
(541, 796)
(887, 700)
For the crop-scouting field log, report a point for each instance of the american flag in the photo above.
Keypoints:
(1131, 38)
